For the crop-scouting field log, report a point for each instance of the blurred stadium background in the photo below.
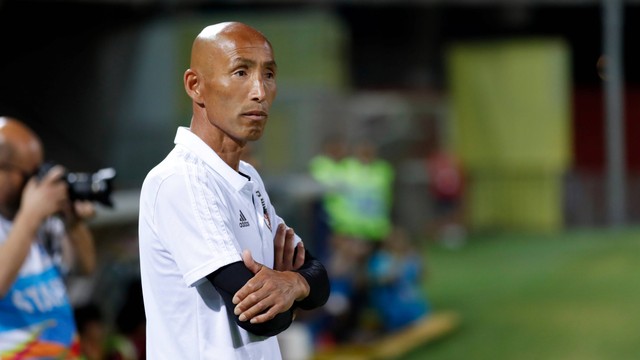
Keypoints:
(546, 135)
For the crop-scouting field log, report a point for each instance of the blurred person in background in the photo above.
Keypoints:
(327, 169)
(360, 218)
(446, 188)
(93, 332)
(368, 195)
(395, 272)
(221, 272)
(43, 235)
(128, 342)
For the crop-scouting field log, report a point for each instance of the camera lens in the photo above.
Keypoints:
(86, 186)
(92, 186)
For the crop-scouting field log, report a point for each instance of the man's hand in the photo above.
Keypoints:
(268, 293)
(44, 197)
(284, 250)
(79, 211)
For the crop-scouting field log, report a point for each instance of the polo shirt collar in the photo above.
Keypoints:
(186, 138)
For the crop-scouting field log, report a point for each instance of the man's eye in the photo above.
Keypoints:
(241, 73)
(270, 75)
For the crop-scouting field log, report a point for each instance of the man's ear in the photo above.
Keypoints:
(192, 86)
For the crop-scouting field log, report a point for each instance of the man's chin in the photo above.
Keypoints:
(254, 135)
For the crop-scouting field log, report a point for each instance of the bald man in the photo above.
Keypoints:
(221, 272)
(41, 234)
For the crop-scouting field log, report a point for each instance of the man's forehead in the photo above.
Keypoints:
(235, 50)
(233, 46)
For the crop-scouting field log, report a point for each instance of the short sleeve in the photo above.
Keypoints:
(193, 226)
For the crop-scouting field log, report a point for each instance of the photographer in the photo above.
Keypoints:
(42, 232)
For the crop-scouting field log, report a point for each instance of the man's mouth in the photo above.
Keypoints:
(256, 115)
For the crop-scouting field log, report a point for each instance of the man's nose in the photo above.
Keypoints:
(258, 90)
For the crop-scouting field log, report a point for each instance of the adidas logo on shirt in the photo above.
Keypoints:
(243, 220)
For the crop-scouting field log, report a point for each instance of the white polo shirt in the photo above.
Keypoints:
(197, 214)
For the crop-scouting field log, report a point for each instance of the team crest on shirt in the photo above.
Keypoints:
(267, 220)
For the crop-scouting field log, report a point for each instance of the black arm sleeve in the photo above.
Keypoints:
(228, 280)
(316, 275)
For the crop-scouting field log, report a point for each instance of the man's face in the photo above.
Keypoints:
(14, 174)
(12, 181)
(239, 84)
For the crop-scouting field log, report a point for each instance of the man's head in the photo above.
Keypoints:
(21, 154)
(231, 82)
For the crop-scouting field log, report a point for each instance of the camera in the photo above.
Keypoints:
(95, 186)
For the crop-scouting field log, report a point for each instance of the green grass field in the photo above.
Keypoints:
(568, 296)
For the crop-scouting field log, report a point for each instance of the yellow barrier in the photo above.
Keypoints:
(432, 327)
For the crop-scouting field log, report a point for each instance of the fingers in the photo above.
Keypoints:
(260, 317)
(278, 248)
(78, 211)
(260, 305)
(84, 209)
(250, 263)
(287, 258)
(52, 189)
(252, 285)
(45, 196)
(300, 256)
(53, 175)
(284, 249)
(269, 293)
(251, 294)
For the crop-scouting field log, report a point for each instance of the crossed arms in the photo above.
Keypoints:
(263, 300)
